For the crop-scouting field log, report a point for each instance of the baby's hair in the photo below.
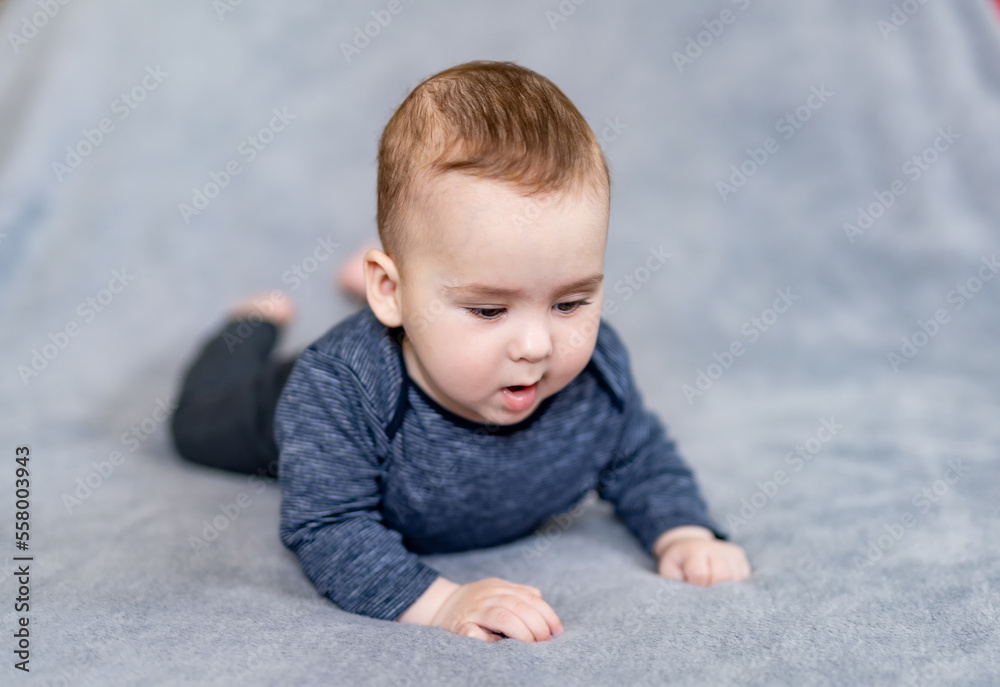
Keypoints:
(493, 120)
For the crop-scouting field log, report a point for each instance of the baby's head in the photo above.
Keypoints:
(493, 201)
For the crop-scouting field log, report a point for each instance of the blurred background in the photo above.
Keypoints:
(822, 175)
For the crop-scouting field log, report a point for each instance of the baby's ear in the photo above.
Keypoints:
(382, 287)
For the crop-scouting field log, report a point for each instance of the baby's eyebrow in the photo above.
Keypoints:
(487, 291)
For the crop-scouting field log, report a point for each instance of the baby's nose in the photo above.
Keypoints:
(533, 343)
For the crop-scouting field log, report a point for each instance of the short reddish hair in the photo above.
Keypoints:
(494, 120)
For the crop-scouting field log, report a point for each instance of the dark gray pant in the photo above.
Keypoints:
(225, 413)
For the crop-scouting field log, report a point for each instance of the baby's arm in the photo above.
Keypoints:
(655, 492)
(330, 477)
(693, 554)
(485, 609)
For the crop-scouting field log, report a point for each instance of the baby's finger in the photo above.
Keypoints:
(745, 569)
(740, 567)
(501, 619)
(728, 569)
(670, 569)
(470, 629)
(721, 566)
(698, 570)
(546, 612)
(736, 562)
(530, 611)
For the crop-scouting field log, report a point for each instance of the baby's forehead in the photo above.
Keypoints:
(471, 218)
(457, 192)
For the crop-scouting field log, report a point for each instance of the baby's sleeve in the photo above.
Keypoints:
(650, 485)
(330, 476)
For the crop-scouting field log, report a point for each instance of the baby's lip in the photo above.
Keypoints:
(525, 386)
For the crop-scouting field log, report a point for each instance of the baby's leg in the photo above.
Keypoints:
(225, 414)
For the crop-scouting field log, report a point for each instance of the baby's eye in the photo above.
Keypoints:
(573, 305)
(486, 313)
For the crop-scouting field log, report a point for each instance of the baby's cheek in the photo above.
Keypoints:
(575, 351)
(464, 373)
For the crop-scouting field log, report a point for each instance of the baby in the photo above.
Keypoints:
(478, 393)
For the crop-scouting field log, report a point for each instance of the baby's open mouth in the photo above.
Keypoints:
(518, 397)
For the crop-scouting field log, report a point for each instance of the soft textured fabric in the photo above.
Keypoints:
(120, 598)
(373, 471)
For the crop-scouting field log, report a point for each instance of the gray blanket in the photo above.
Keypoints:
(821, 341)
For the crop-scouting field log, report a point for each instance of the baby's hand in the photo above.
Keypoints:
(694, 555)
(492, 605)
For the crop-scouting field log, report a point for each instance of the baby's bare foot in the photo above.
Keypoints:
(352, 272)
(269, 306)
